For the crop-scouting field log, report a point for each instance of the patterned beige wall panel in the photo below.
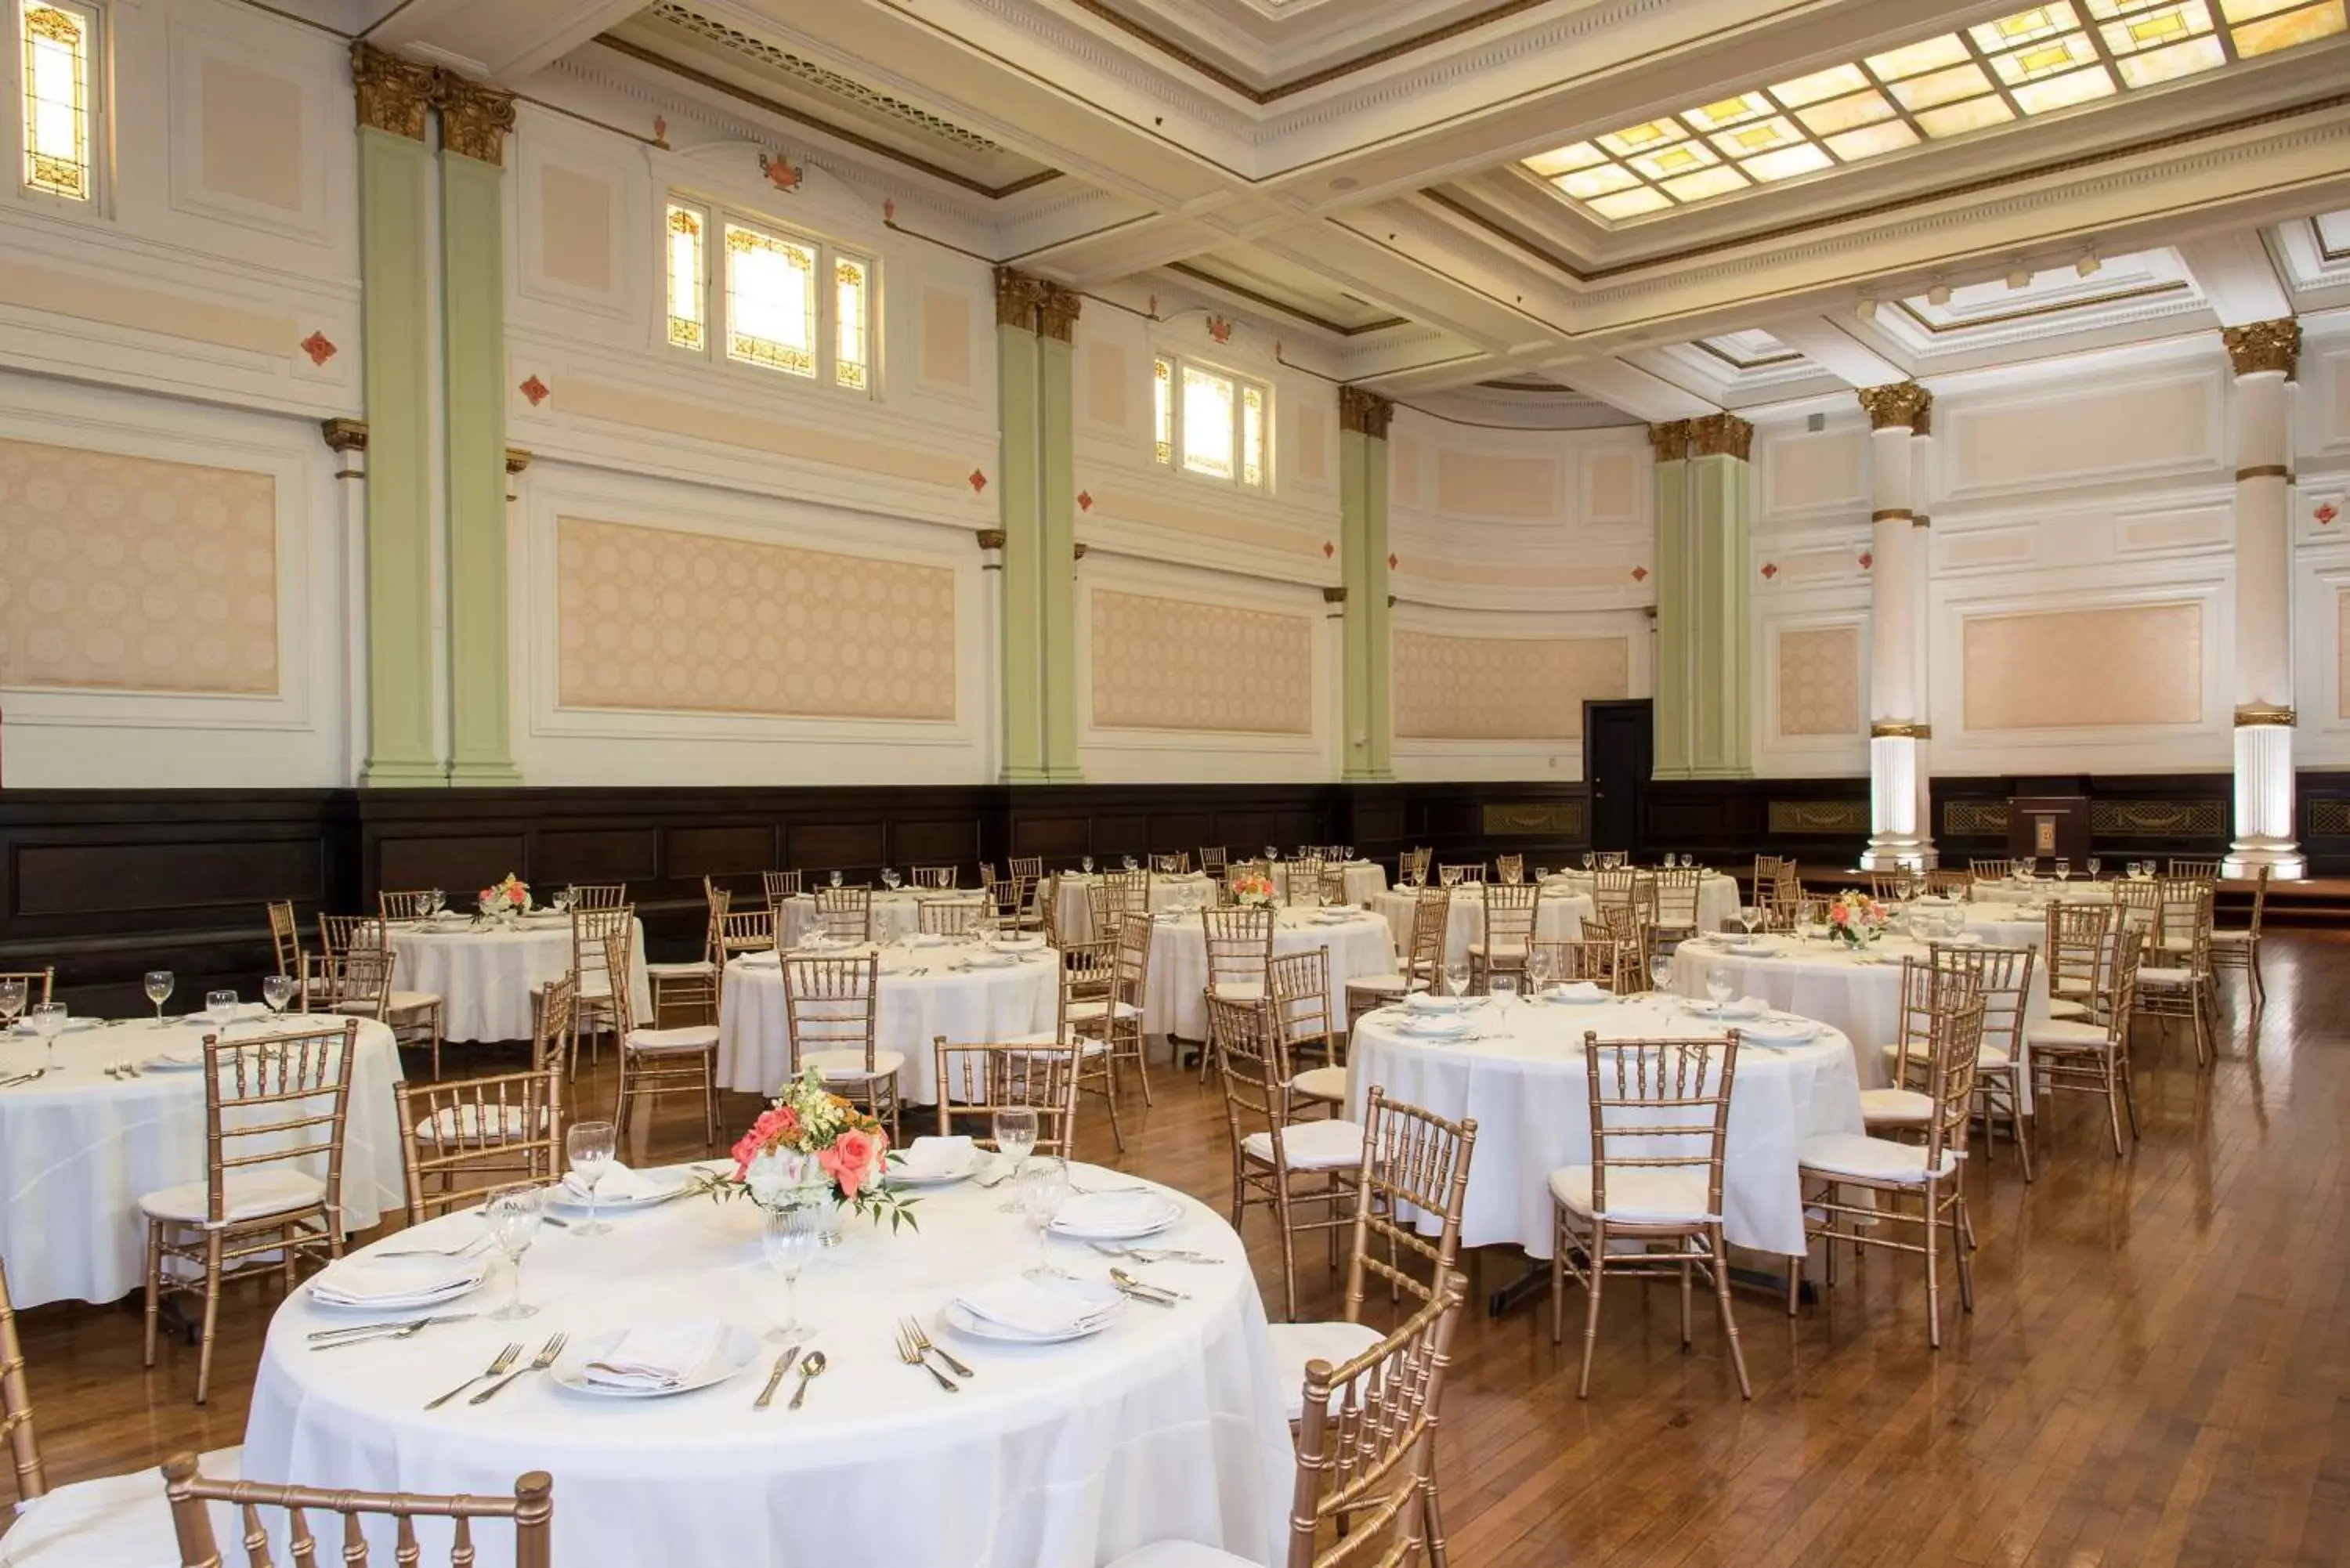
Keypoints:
(1811, 471)
(133, 574)
(575, 221)
(1503, 689)
(1487, 485)
(1179, 664)
(946, 337)
(2139, 664)
(676, 622)
(2119, 430)
(1819, 680)
(251, 134)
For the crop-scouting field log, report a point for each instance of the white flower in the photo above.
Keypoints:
(777, 1176)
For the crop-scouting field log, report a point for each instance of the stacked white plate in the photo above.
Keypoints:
(1015, 1310)
(654, 1360)
(935, 1162)
(1116, 1216)
(1427, 1001)
(382, 1284)
(1776, 1029)
(623, 1188)
(1437, 1025)
(1581, 992)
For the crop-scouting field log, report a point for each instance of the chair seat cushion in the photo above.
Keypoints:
(1124, 1012)
(115, 1522)
(1237, 990)
(1380, 984)
(1868, 1158)
(2230, 939)
(1506, 952)
(691, 1037)
(698, 969)
(245, 1194)
(1311, 1145)
(464, 1123)
(1296, 1343)
(2065, 1007)
(1636, 1195)
(1988, 1058)
(2067, 1035)
(1895, 1107)
(2149, 974)
(398, 1002)
(1180, 1554)
(847, 1065)
(2061, 986)
(1321, 1083)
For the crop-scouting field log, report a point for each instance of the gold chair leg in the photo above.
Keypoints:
(154, 1284)
(1728, 1319)
(211, 1316)
(1594, 1276)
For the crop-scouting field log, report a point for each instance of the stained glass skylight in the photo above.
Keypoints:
(2040, 60)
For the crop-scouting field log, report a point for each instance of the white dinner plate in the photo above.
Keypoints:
(1436, 1028)
(675, 1184)
(1429, 1001)
(990, 960)
(400, 1302)
(944, 1175)
(1149, 1218)
(1016, 944)
(1564, 994)
(737, 1348)
(1775, 1030)
(1753, 949)
(1111, 1306)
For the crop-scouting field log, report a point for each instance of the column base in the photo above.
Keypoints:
(1895, 840)
(2264, 805)
(380, 774)
(1027, 775)
(2283, 857)
(483, 774)
(1900, 854)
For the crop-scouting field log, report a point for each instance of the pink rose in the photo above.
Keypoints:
(848, 1159)
(1838, 915)
(776, 1126)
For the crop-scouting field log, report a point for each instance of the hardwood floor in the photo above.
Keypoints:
(2158, 1370)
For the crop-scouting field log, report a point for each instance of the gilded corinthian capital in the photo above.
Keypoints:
(393, 92)
(1670, 440)
(1720, 435)
(1018, 297)
(1901, 406)
(2261, 345)
(1364, 412)
(1057, 313)
(475, 119)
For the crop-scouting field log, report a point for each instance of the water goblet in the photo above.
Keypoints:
(835, 880)
(1660, 971)
(792, 1238)
(1015, 1135)
(12, 1002)
(1589, 859)
(221, 1007)
(2093, 863)
(48, 1023)
(513, 1213)
(2064, 868)
(1044, 1189)
(1502, 985)
(589, 1148)
(435, 900)
(1537, 971)
(1718, 988)
(890, 878)
(1085, 864)
(1345, 852)
(1456, 976)
(1448, 875)
(1128, 861)
(159, 991)
(1749, 916)
(276, 990)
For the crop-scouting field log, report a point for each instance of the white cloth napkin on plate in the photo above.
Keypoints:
(934, 1155)
(355, 1281)
(1429, 1001)
(1578, 991)
(1096, 1213)
(1046, 1310)
(656, 1354)
(621, 1185)
(1745, 1007)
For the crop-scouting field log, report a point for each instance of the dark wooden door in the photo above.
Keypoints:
(1616, 742)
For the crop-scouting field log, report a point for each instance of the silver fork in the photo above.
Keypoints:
(1155, 1254)
(467, 1250)
(506, 1358)
(907, 1354)
(922, 1341)
(544, 1359)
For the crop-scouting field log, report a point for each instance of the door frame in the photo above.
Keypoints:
(1647, 708)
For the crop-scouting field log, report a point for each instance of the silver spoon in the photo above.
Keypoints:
(811, 1368)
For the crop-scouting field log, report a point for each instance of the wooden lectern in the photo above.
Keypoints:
(2046, 828)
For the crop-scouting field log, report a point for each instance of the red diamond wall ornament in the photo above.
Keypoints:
(978, 481)
(2326, 512)
(1085, 501)
(1639, 573)
(1866, 560)
(1219, 329)
(1328, 549)
(780, 172)
(536, 390)
(1769, 570)
(319, 346)
(1393, 563)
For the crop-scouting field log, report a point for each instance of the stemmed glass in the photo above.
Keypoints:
(2093, 863)
(1717, 986)
(276, 990)
(49, 1022)
(1537, 971)
(513, 1213)
(589, 1146)
(221, 1007)
(1456, 976)
(1589, 859)
(1660, 971)
(12, 1002)
(1015, 1135)
(1500, 985)
(159, 991)
(835, 880)
(435, 900)
(1272, 853)
(1749, 916)
(792, 1238)
(2064, 868)
(1085, 864)
(1128, 861)
(1043, 1190)
(890, 878)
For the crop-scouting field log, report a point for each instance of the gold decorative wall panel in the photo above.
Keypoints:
(659, 619)
(2156, 818)
(1502, 688)
(1819, 682)
(1547, 819)
(1792, 818)
(133, 574)
(2138, 664)
(1974, 818)
(1179, 664)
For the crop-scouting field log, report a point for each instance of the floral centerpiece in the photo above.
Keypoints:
(503, 899)
(1252, 892)
(812, 1148)
(1855, 918)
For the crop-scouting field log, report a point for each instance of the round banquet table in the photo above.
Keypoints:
(1524, 1076)
(1364, 881)
(78, 1149)
(924, 994)
(484, 976)
(1718, 896)
(1859, 994)
(1165, 1426)
(1358, 944)
(2046, 890)
(1073, 910)
(895, 914)
(1558, 917)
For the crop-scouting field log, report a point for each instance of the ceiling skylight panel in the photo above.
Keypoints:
(2025, 28)
(1958, 119)
(1686, 158)
(2062, 92)
(1786, 164)
(2288, 29)
(1914, 59)
(1642, 138)
(1582, 184)
(1580, 155)
(1631, 203)
(2168, 65)
(1871, 141)
(1718, 182)
(1729, 111)
(1834, 82)
(1942, 86)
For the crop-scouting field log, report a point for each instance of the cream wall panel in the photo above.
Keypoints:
(1612, 486)
(1106, 392)
(575, 217)
(1474, 483)
(946, 357)
(1503, 689)
(1313, 427)
(2142, 664)
(1819, 682)
(1800, 473)
(252, 136)
(2165, 424)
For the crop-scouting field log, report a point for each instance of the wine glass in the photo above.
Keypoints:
(590, 1147)
(2064, 868)
(159, 991)
(435, 900)
(1717, 986)
(1015, 1136)
(1085, 864)
(1589, 860)
(835, 880)
(1749, 916)
(1502, 985)
(890, 878)
(513, 1213)
(791, 1241)
(1537, 970)
(1456, 976)
(2093, 863)
(12, 1002)
(221, 1007)
(1660, 971)
(1044, 1189)
(48, 1023)
(276, 990)
(1272, 852)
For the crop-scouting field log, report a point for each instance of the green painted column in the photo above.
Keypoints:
(1368, 740)
(1019, 494)
(474, 122)
(395, 182)
(1675, 710)
(1721, 516)
(1056, 318)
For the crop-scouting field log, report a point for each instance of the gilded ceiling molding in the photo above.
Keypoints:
(1334, 595)
(517, 459)
(1897, 407)
(1018, 298)
(393, 93)
(1057, 313)
(344, 435)
(1670, 441)
(1365, 413)
(2262, 347)
(1923, 425)
(475, 119)
(1720, 435)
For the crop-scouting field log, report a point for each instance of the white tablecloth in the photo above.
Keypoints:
(78, 1149)
(1718, 895)
(1073, 911)
(1528, 1087)
(1558, 917)
(1358, 945)
(895, 914)
(483, 977)
(969, 1007)
(2011, 926)
(1364, 881)
(1165, 1426)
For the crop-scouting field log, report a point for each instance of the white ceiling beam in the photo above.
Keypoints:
(503, 40)
(2237, 277)
(1631, 389)
(1834, 350)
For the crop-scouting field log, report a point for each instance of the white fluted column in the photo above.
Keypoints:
(1898, 835)
(2264, 354)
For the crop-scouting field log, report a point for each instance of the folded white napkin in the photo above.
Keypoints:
(619, 1185)
(1027, 1307)
(1096, 1213)
(1429, 1001)
(1745, 1007)
(993, 1169)
(936, 1155)
(358, 1280)
(930, 940)
(178, 1056)
(1578, 991)
(656, 1354)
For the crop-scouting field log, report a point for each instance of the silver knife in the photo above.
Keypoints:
(783, 1365)
(361, 1330)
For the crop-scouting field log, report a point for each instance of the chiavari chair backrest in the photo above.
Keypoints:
(2077, 946)
(2187, 916)
(2191, 870)
(598, 895)
(1510, 867)
(39, 983)
(781, 884)
(593, 932)
(2259, 897)
(1510, 910)
(1677, 889)
(830, 1003)
(462, 1138)
(1239, 948)
(1134, 885)
(1304, 879)
(937, 875)
(845, 914)
(744, 931)
(1989, 870)
(1247, 1049)
(2120, 997)
(951, 916)
(1334, 883)
(1957, 1054)
(277, 1098)
(1629, 928)
(1431, 918)
(531, 1508)
(1213, 858)
(16, 1403)
(1768, 871)
(1615, 886)
(2139, 904)
(1088, 974)
(1413, 864)
(1175, 862)
(1301, 998)
(355, 960)
(1461, 871)
(2000, 978)
(977, 1081)
(285, 936)
(402, 906)
(1599, 959)
(1411, 1157)
(1948, 884)
(1659, 1104)
(1029, 868)
(1367, 1444)
(1890, 887)
(1133, 959)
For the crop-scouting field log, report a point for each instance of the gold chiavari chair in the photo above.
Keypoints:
(276, 1106)
(1892, 887)
(39, 984)
(1301, 1010)
(286, 938)
(1115, 1017)
(1769, 869)
(1239, 951)
(746, 931)
(1030, 867)
(1333, 888)
(532, 1509)
(404, 907)
(1783, 904)
(780, 885)
(951, 916)
(2078, 945)
(1411, 866)
(691, 985)
(355, 966)
(599, 895)
(603, 950)
(16, 1403)
(845, 914)
(2239, 948)
(2182, 985)
(1626, 926)
(830, 1006)
(1089, 994)
(1212, 858)
(464, 1138)
(1510, 867)
(1928, 1172)
(2001, 977)
(1510, 911)
(945, 877)
(1615, 886)
(1947, 884)
(977, 1081)
(2091, 1055)
(1278, 1164)
(1461, 872)
(658, 1063)
(1989, 870)
(2190, 870)
(1601, 960)
(1111, 897)
(1175, 862)
(1659, 1120)
(1677, 891)
(1423, 959)
(1300, 880)
(1008, 899)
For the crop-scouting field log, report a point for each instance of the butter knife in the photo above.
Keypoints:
(783, 1365)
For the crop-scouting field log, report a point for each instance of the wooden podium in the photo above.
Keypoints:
(2045, 827)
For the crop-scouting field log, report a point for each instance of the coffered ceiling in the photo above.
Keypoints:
(1661, 206)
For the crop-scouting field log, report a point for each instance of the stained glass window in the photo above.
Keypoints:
(771, 301)
(850, 332)
(1207, 422)
(1211, 422)
(1252, 435)
(688, 315)
(1162, 407)
(56, 40)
